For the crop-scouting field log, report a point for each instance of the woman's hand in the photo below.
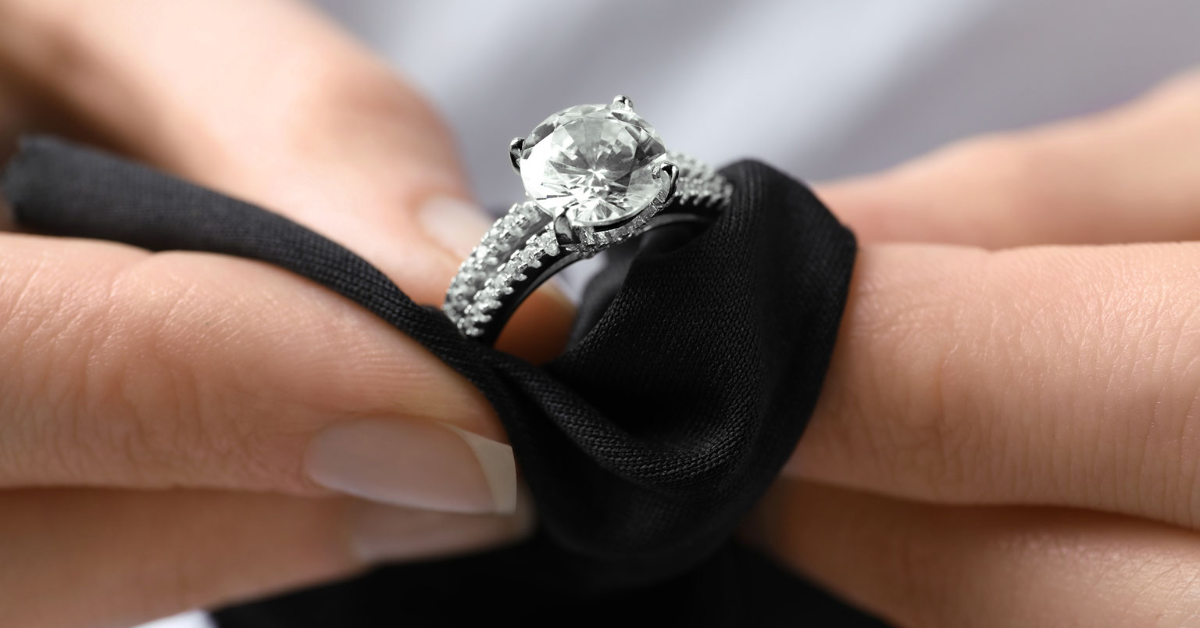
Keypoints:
(1009, 434)
(174, 428)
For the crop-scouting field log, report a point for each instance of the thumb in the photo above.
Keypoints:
(304, 122)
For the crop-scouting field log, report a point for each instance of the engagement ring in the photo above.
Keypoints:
(595, 176)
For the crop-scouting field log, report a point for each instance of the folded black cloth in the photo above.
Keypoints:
(692, 372)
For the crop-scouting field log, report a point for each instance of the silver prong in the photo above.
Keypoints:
(563, 231)
(515, 148)
(622, 102)
(669, 170)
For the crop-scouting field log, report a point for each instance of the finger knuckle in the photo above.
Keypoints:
(223, 389)
(934, 428)
(148, 396)
(42, 338)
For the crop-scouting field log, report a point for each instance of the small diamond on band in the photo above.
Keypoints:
(596, 176)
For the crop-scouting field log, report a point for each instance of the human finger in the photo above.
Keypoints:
(927, 566)
(1055, 375)
(1125, 175)
(126, 369)
(273, 104)
(126, 557)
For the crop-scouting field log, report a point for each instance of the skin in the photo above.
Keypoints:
(1008, 431)
(1007, 435)
(172, 396)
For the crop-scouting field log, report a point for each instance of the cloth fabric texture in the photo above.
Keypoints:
(695, 363)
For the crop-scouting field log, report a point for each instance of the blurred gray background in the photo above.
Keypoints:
(819, 88)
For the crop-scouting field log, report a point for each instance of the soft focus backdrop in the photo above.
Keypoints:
(821, 89)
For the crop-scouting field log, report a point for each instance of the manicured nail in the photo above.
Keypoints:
(455, 224)
(379, 533)
(416, 463)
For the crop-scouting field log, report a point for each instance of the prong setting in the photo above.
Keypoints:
(671, 172)
(563, 232)
(516, 148)
(635, 185)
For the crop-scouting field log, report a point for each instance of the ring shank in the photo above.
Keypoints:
(521, 250)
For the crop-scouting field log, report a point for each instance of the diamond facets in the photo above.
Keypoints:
(593, 163)
(596, 176)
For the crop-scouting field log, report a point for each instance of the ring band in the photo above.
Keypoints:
(596, 176)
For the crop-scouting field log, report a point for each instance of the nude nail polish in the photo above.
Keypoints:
(415, 463)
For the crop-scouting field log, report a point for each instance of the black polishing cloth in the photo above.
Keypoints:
(694, 368)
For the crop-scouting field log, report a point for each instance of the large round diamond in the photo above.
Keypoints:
(593, 163)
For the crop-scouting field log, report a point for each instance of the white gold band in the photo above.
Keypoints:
(525, 247)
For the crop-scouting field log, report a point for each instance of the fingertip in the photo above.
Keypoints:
(540, 328)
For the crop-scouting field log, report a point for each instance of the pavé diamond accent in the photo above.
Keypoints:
(597, 175)
(488, 297)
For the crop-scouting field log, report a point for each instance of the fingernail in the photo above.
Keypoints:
(381, 533)
(455, 224)
(415, 463)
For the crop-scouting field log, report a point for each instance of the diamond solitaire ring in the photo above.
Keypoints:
(596, 176)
